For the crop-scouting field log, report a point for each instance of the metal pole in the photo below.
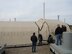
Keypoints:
(64, 20)
(58, 17)
(15, 19)
(44, 10)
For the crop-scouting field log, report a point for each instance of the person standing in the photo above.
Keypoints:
(40, 39)
(34, 41)
(58, 33)
(64, 28)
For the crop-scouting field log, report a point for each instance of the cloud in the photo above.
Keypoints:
(33, 9)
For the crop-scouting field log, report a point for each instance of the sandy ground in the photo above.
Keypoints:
(28, 50)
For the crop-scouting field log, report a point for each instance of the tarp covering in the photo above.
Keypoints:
(48, 26)
(14, 33)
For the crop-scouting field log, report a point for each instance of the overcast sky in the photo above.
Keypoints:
(24, 10)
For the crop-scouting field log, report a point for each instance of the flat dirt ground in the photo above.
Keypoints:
(28, 50)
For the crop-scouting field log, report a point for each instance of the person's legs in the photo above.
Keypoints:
(32, 47)
(35, 48)
(57, 39)
(60, 40)
(41, 42)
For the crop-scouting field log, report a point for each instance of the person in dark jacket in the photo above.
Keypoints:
(34, 41)
(58, 33)
(64, 29)
(40, 39)
(50, 39)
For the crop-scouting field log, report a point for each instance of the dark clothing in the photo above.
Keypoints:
(33, 47)
(59, 41)
(34, 41)
(40, 39)
(58, 31)
(50, 39)
(64, 29)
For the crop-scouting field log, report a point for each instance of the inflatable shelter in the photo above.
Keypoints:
(15, 33)
(48, 27)
(19, 32)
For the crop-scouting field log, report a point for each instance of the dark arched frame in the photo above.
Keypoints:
(42, 27)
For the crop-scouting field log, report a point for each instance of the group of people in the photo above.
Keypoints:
(58, 33)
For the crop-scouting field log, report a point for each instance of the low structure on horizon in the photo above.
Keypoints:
(19, 32)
